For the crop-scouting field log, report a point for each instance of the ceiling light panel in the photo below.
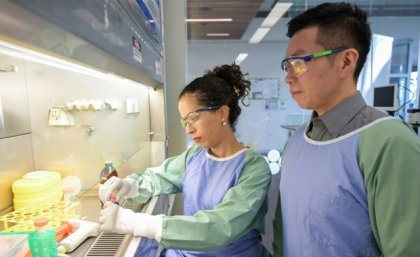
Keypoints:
(211, 20)
(240, 58)
(275, 14)
(217, 34)
(258, 35)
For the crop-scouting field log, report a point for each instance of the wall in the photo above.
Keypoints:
(125, 138)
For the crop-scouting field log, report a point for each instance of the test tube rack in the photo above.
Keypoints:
(23, 218)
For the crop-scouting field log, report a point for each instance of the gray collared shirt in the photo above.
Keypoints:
(349, 115)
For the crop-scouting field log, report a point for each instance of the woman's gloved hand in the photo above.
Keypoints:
(121, 187)
(114, 218)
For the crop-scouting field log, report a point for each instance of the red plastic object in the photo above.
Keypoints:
(64, 230)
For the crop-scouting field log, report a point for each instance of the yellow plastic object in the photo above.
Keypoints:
(37, 187)
(23, 218)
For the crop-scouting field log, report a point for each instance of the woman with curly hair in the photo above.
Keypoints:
(224, 184)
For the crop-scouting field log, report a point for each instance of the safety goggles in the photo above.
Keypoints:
(296, 65)
(194, 115)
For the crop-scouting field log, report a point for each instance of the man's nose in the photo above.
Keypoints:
(289, 79)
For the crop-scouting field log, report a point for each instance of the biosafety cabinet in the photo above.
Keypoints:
(81, 83)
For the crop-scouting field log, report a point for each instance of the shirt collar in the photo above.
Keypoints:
(338, 117)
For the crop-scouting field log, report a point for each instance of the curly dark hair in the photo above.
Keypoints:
(224, 85)
(340, 24)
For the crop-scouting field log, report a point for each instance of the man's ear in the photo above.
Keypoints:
(348, 62)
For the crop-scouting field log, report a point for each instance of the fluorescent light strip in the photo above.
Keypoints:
(258, 35)
(240, 58)
(210, 20)
(275, 14)
(217, 34)
(41, 58)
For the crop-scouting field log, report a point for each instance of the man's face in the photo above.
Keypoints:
(318, 87)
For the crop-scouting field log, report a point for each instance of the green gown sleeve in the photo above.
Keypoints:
(389, 157)
(242, 209)
(163, 179)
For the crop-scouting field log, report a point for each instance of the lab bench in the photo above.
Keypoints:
(116, 244)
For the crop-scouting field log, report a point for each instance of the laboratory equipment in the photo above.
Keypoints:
(22, 219)
(36, 187)
(57, 116)
(64, 230)
(71, 186)
(274, 160)
(14, 245)
(385, 97)
(114, 198)
(107, 172)
(413, 116)
(83, 230)
(43, 243)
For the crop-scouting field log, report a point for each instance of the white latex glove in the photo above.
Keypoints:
(114, 218)
(121, 187)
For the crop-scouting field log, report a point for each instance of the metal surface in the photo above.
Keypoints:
(105, 244)
(111, 244)
(33, 31)
(14, 164)
(14, 118)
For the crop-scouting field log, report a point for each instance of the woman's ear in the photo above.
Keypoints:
(224, 112)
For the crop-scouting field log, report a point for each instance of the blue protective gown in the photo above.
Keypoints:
(324, 203)
(225, 201)
(205, 183)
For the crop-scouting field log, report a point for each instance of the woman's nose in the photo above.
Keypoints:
(189, 129)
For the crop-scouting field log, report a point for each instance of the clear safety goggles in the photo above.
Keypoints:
(296, 65)
(194, 115)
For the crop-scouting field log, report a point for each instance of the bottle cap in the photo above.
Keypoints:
(113, 197)
(108, 162)
(40, 222)
(61, 249)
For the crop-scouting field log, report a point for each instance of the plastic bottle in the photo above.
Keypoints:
(107, 172)
(43, 242)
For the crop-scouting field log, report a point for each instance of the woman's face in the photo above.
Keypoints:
(203, 124)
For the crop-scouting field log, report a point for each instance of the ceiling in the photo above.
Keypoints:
(244, 12)
(241, 12)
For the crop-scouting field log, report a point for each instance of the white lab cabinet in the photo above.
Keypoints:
(14, 109)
